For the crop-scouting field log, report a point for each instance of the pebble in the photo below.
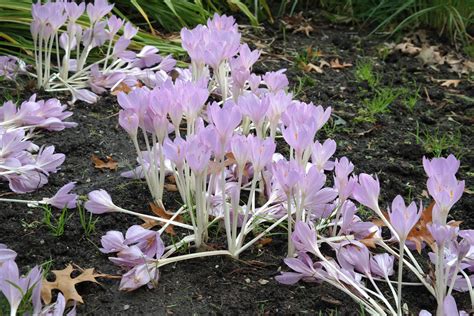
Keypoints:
(263, 282)
(126, 307)
(247, 280)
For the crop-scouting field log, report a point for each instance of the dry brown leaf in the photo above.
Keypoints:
(216, 167)
(430, 55)
(370, 241)
(108, 163)
(335, 64)
(450, 83)
(122, 87)
(160, 212)
(407, 48)
(264, 241)
(312, 67)
(66, 284)
(306, 29)
(420, 232)
(170, 187)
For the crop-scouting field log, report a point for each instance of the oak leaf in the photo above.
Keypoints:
(450, 83)
(67, 285)
(336, 64)
(108, 163)
(160, 212)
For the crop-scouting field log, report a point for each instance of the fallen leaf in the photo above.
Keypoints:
(407, 48)
(122, 87)
(170, 187)
(420, 232)
(430, 55)
(312, 67)
(450, 83)
(66, 284)
(108, 163)
(264, 241)
(335, 64)
(306, 29)
(370, 241)
(160, 212)
(216, 167)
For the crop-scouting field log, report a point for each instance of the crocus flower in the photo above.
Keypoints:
(14, 287)
(439, 166)
(253, 107)
(239, 145)
(342, 182)
(6, 254)
(304, 237)
(261, 152)
(446, 190)
(450, 308)
(100, 202)
(303, 267)
(63, 198)
(442, 233)
(138, 276)
(276, 80)
(354, 255)
(128, 120)
(321, 153)
(367, 191)
(225, 119)
(175, 151)
(287, 174)
(403, 218)
(112, 241)
(148, 241)
(382, 264)
(98, 10)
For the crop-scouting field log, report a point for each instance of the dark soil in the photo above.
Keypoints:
(220, 285)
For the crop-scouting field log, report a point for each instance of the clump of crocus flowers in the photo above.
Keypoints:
(214, 128)
(63, 47)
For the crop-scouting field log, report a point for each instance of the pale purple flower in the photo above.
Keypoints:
(9, 67)
(288, 174)
(276, 80)
(450, 307)
(98, 10)
(100, 202)
(138, 276)
(148, 241)
(382, 264)
(315, 196)
(442, 233)
(129, 31)
(6, 254)
(83, 95)
(14, 287)
(175, 151)
(225, 119)
(47, 161)
(439, 166)
(304, 237)
(253, 107)
(261, 152)
(403, 218)
(112, 241)
(114, 24)
(321, 153)
(304, 269)
(128, 120)
(367, 191)
(298, 136)
(446, 190)
(278, 103)
(354, 255)
(74, 10)
(63, 198)
(147, 57)
(239, 145)
(342, 182)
